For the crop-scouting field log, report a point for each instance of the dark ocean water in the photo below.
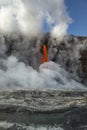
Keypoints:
(74, 119)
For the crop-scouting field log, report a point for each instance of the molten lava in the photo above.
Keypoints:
(45, 54)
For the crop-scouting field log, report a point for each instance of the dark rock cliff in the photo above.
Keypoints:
(70, 53)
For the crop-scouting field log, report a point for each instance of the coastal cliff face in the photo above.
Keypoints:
(70, 53)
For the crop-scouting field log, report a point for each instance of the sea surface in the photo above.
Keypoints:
(43, 110)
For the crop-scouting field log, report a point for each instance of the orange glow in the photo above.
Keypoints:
(45, 54)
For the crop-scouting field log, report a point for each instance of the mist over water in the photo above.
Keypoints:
(15, 74)
(20, 56)
(21, 68)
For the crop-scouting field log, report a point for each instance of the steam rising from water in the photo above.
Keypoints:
(26, 16)
(50, 76)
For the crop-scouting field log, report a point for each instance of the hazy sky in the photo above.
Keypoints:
(77, 10)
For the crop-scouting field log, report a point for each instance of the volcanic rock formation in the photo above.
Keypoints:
(70, 53)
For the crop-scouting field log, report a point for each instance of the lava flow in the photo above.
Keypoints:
(45, 54)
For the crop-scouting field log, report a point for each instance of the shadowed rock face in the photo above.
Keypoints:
(83, 61)
(70, 53)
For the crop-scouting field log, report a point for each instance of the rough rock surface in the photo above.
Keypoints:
(71, 53)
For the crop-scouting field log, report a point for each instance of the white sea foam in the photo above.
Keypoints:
(6, 125)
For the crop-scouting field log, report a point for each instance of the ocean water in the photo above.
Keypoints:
(75, 119)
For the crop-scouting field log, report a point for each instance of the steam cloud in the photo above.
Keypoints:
(26, 16)
(16, 75)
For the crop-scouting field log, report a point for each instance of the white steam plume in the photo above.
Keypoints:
(26, 16)
(16, 75)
